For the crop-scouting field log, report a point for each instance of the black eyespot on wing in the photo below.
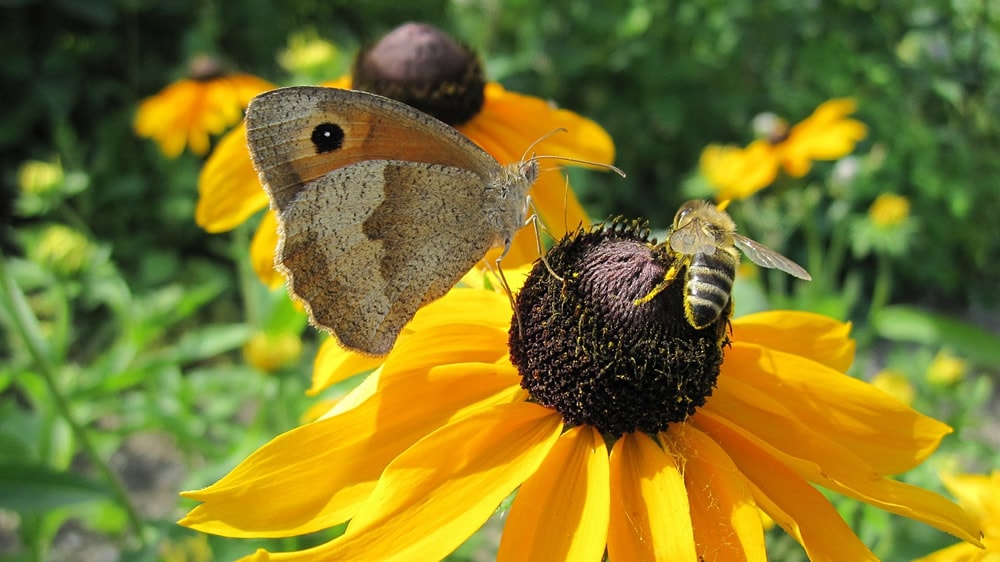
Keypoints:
(327, 137)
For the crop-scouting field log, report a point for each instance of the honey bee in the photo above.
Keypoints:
(705, 240)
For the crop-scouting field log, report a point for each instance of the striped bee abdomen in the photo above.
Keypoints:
(708, 286)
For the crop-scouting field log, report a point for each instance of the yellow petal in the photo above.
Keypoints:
(828, 343)
(727, 524)
(316, 476)
(979, 494)
(650, 517)
(819, 458)
(506, 126)
(334, 363)
(228, 189)
(561, 512)
(437, 493)
(885, 433)
(827, 134)
(793, 504)
(262, 248)
(470, 306)
(738, 173)
(464, 325)
(961, 552)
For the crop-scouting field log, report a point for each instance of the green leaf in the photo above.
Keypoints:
(33, 488)
(903, 323)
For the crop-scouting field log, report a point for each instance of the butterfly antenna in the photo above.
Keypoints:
(601, 165)
(524, 156)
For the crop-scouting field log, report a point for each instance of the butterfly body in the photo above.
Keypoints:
(380, 208)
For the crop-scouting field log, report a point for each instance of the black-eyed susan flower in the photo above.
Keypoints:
(419, 65)
(627, 433)
(979, 494)
(827, 134)
(190, 111)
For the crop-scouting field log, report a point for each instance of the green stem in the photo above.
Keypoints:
(26, 324)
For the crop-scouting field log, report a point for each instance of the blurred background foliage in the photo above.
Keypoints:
(138, 316)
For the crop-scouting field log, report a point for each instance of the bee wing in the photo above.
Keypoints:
(766, 257)
(693, 238)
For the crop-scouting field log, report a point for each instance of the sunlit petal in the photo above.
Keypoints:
(828, 343)
(438, 492)
(724, 515)
(793, 504)
(315, 476)
(886, 434)
(650, 517)
(561, 512)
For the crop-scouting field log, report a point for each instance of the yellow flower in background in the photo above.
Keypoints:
(889, 210)
(979, 494)
(896, 384)
(270, 352)
(946, 369)
(738, 173)
(625, 432)
(190, 111)
(827, 134)
(504, 124)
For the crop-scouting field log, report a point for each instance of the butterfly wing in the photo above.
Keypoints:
(390, 240)
(298, 134)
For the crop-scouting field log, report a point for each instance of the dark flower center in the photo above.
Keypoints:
(420, 66)
(586, 349)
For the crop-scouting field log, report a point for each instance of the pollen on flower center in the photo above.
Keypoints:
(584, 348)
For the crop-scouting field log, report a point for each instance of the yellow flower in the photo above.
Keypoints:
(738, 173)
(189, 111)
(895, 384)
(506, 125)
(270, 352)
(624, 431)
(827, 134)
(979, 494)
(946, 369)
(889, 210)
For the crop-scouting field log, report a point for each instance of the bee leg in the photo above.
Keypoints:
(668, 278)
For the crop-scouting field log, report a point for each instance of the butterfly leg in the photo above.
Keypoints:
(536, 223)
(506, 285)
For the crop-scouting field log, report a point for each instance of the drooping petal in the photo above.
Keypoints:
(561, 512)
(828, 342)
(820, 459)
(262, 248)
(725, 518)
(229, 191)
(793, 504)
(335, 363)
(316, 476)
(650, 517)
(886, 434)
(437, 493)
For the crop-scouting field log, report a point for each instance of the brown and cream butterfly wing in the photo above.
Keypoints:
(378, 255)
(298, 134)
